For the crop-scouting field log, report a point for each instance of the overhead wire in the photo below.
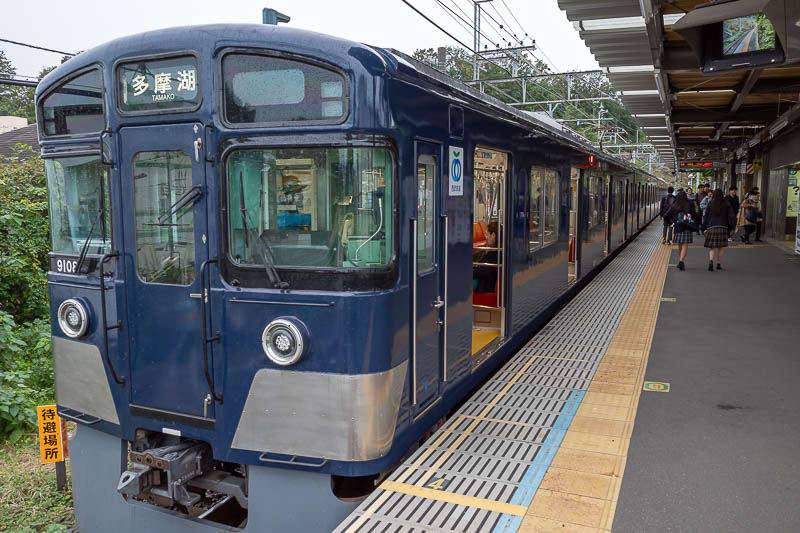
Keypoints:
(453, 15)
(37, 47)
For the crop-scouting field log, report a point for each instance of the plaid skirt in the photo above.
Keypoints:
(716, 237)
(683, 237)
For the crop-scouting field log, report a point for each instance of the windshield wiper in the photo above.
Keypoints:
(186, 198)
(263, 247)
(101, 217)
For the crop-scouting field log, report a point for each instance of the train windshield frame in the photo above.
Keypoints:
(80, 204)
(308, 210)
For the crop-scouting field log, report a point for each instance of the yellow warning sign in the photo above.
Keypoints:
(52, 434)
(656, 386)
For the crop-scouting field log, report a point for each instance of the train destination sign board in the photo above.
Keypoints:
(162, 84)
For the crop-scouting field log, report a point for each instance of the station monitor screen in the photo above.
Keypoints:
(753, 33)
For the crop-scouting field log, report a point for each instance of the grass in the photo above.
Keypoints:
(29, 501)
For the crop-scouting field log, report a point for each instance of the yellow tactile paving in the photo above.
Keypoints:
(545, 525)
(571, 508)
(579, 483)
(604, 411)
(591, 462)
(594, 442)
(610, 388)
(580, 489)
(599, 426)
(602, 398)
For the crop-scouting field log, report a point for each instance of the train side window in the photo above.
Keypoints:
(535, 207)
(263, 89)
(164, 236)
(426, 168)
(75, 107)
(550, 206)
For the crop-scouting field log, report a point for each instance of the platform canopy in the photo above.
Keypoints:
(687, 114)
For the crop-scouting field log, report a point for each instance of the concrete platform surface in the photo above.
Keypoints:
(721, 450)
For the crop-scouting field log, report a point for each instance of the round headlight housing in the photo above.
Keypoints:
(283, 342)
(73, 319)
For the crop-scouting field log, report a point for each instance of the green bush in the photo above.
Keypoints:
(26, 374)
(24, 237)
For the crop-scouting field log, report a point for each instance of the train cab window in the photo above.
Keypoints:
(311, 207)
(164, 234)
(535, 235)
(75, 107)
(550, 206)
(80, 208)
(263, 89)
(426, 167)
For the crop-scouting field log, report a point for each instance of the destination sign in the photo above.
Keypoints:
(159, 84)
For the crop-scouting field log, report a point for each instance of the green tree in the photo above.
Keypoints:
(19, 101)
(24, 238)
(583, 115)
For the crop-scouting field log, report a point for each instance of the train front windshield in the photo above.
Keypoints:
(311, 207)
(77, 199)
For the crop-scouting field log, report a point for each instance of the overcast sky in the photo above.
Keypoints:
(81, 24)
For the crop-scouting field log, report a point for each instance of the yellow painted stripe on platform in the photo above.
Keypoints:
(581, 486)
(452, 497)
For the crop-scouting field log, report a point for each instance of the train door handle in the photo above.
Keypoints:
(438, 303)
(198, 143)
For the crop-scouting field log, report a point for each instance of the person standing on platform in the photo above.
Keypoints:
(750, 216)
(733, 201)
(666, 203)
(685, 213)
(757, 193)
(705, 201)
(718, 220)
(698, 199)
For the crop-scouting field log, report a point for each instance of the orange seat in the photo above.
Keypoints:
(488, 299)
(479, 233)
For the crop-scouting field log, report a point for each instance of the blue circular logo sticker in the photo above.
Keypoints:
(455, 171)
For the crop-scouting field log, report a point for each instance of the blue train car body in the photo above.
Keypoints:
(264, 243)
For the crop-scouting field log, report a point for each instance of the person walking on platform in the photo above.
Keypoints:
(666, 203)
(733, 201)
(685, 213)
(750, 216)
(718, 220)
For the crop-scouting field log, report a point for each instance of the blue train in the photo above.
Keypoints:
(264, 247)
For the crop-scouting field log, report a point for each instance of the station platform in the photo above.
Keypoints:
(679, 381)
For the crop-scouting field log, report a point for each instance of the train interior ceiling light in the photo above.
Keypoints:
(743, 34)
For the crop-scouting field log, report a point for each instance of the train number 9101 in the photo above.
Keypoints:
(68, 266)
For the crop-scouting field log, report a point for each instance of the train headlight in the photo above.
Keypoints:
(283, 341)
(73, 319)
